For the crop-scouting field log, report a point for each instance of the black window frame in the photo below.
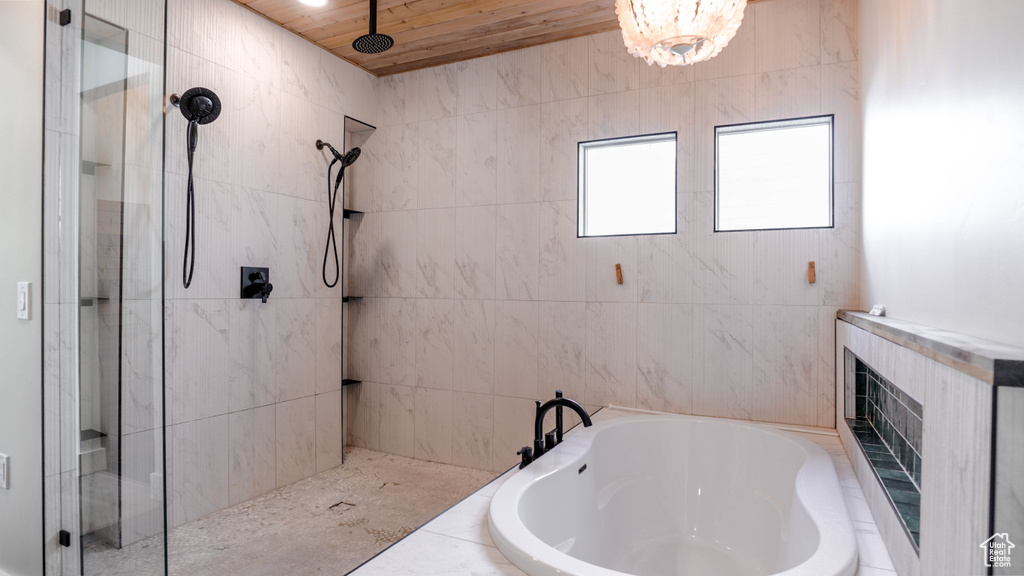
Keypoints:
(831, 172)
(580, 171)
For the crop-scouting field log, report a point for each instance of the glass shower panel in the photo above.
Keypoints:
(120, 445)
(101, 189)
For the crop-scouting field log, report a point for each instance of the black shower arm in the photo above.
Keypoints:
(337, 155)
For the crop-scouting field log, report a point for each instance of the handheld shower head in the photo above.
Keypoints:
(199, 105)
(346, 159)
(350, 157)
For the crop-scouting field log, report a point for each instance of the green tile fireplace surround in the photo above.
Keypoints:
(931, 421)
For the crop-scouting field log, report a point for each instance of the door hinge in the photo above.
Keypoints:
(65, 538)
(65, 17)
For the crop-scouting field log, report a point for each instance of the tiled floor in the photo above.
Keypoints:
(458, 542)
(896, 482)
(325, 524)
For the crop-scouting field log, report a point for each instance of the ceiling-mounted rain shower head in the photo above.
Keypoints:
(199, 105)
(373, 43)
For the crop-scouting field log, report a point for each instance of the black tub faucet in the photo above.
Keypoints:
(542, 444)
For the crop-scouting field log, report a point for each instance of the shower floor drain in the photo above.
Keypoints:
(341, 506)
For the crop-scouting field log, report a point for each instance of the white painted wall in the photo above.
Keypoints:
(941, 89)
(21, 107)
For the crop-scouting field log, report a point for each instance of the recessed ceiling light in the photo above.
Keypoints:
(316, 3)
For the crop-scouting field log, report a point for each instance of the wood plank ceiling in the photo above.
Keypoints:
(435, 32)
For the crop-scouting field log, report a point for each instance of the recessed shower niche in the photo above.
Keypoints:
(357, 134)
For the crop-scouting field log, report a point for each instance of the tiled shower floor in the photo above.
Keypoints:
(326, 524)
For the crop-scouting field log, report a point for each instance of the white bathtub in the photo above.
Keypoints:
(676, 495)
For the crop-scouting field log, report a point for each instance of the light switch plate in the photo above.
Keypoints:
(24, 300)
(3, 471)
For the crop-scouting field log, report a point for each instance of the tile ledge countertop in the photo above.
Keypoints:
(991, 362)
(458, 542)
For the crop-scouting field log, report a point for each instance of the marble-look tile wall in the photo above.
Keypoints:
(253, 390)
(480, 299)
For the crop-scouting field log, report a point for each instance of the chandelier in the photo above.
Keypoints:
(678, 32)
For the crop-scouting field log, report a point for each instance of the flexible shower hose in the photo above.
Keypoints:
(332, 242)
(189, 263)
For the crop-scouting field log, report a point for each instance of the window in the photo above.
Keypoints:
(627, 186)
(774, 175)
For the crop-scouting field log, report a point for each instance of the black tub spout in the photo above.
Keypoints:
(538, 425)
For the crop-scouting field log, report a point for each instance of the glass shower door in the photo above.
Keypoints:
(116, 514)
(101, 189)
